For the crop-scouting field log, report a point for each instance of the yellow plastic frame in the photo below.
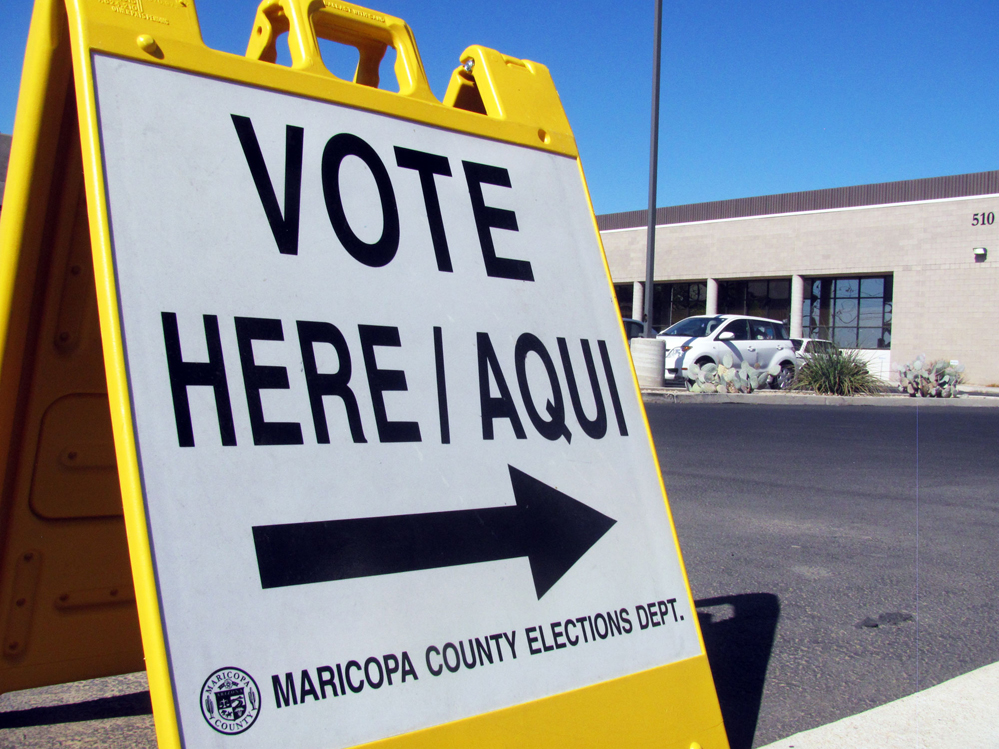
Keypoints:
(490, 95)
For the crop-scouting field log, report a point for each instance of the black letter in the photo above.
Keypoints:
(353, 688)
(596, 621)
(282, 695)
(556, 634)
(391, 666)
(643, 616)
(190, 374)
(380, 380)
(428, 164)
(672, 604)
(381, 673)
(257, 378)
(556, 427)
(571, 641)
(307, 687)
(494, 408)
(284, 229)
(338, 384)
(441, 386)
(378, 253)
(407, 666)
(614, 621)
(544, 645)
(663, 610)
(326, 676)
(457, 658)
(653, 613)
(430, 668)
(510, 641)
(627, 621)
(532, 640)
(471, 651)
(499, 645)
(596, 428)
(483, 649)
(487, 217)
(612, 385)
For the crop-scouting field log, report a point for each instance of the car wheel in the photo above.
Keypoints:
(700, 363)
(783, 380)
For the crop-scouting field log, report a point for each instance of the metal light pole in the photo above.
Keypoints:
(650, 253)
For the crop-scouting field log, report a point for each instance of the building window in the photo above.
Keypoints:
(625, 299)
(765, 297)
(851, 312)
(672, 302)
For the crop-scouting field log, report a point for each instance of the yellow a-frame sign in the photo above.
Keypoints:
(345, 367)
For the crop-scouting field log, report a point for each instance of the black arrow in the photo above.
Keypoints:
(548, 527)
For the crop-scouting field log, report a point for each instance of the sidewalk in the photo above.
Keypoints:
(962, 712)
(971, 396)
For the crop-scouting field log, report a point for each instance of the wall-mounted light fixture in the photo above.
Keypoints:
(980, 254)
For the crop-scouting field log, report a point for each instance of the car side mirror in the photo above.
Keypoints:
(727, 335)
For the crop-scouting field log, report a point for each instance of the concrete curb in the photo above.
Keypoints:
(967, 399)
(977, 390)
(962, 712)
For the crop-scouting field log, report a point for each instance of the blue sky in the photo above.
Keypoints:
(757, 98)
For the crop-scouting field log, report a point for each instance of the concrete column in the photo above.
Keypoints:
(711, 303)
(797, 301)
(638, 301)
(649, 358)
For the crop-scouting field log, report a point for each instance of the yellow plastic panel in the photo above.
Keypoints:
(170, 36)
(64, 547)
(673, 707)
(509, 88)
(76, 475)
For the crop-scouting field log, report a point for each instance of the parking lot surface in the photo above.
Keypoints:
(842, 558)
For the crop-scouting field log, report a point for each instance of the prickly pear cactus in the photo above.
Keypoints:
(725, 378)
(935, 379)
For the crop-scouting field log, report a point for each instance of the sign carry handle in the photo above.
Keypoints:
(370, 32)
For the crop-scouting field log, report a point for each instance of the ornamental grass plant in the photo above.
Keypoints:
(837, 372)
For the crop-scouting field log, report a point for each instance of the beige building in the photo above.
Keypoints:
(894, 269)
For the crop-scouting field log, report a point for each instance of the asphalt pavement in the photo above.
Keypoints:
(842, 558)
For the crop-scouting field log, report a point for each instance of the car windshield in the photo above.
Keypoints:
(694, 327)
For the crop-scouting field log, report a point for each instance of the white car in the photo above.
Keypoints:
(805, 348)
(705, 339)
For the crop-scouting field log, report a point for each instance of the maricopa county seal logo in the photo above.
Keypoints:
(230, 700)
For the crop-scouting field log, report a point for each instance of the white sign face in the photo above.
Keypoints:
(396, 470)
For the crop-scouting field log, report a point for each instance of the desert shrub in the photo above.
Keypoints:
(724, 378)
(936, 379)
(837, 372)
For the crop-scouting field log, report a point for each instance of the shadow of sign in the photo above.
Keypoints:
(738, 637)
(122, 706)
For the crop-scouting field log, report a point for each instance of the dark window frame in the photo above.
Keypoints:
(834, 309)
(745, 297)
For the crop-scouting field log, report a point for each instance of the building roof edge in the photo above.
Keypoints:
(882, 193)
